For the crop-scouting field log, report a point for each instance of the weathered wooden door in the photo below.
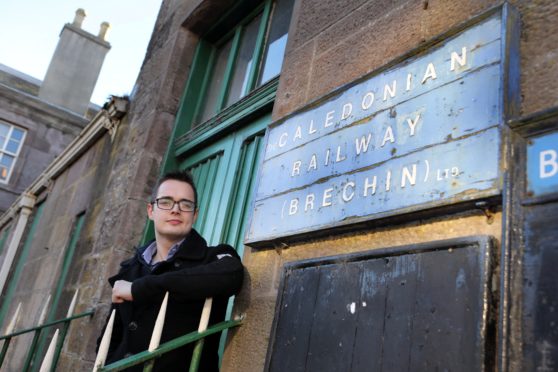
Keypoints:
(427, 307)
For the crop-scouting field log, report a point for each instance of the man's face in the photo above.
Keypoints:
(173, 224)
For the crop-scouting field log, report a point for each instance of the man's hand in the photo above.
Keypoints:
(122, 291)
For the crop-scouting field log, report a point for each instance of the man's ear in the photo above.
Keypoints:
(150, 211)
(195, 216)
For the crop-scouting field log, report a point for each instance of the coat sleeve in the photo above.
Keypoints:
(222, 276)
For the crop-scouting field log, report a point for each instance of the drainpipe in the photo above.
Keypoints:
(26, 204)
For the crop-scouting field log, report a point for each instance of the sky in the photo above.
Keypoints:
(31, 28)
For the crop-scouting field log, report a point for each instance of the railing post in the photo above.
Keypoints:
(9, 329)
(204, 321)
(5, 346)
(168, 346)
(49, 356)
(36, 336)
(64, 332)
(105, 343)
(156, 335)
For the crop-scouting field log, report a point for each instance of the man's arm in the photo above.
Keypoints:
(221, 277)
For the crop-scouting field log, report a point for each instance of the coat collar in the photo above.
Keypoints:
(193, 247)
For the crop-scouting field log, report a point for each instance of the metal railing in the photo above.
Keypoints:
(155, 350)
(147, 357)
(55, 348)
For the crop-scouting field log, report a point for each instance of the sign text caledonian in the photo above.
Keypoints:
(423, 133)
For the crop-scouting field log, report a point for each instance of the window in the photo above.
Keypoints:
(247, 57)
(11, 139)
(225, 110)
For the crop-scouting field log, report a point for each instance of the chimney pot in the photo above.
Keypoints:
(80, 15)
(103, 30)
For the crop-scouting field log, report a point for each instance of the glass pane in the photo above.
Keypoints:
(17, 134)
(6, 160)
(5, 166)
(12, 146)
(209, 108)
(3, 173)
(243, 62)
(4, 129)
(277, 41)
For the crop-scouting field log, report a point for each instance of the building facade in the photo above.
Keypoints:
(368, 159)
(33, 133)
(38, 119)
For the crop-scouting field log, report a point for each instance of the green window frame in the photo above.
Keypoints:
(233, 64)
(258, 95)
(205, 59)
(58, 292)
(223, 172)
(231, 59)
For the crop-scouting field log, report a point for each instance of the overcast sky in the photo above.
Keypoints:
(30, 31)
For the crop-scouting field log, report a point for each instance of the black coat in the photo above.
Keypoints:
(195, 272)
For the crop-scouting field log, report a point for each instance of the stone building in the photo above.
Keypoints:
(373, 155)
(38, 119)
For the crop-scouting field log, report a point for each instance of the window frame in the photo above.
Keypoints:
(187, 138)
(16, 154)
(236, 35)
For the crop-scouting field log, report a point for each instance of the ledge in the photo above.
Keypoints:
(106, 120)
(227, 119)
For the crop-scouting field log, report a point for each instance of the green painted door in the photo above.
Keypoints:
(225, 172)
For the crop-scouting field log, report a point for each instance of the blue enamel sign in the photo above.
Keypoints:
(542, 165)
(423, 133)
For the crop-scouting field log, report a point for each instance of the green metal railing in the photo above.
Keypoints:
(148, 358)
(38, 329)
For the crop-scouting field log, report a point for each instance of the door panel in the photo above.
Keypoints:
(244, 188)
(205, 174)
(224, 172)
(425, 307)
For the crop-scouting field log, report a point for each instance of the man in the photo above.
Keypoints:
(180, 262)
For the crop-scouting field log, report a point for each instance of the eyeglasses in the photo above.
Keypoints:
(168, 203)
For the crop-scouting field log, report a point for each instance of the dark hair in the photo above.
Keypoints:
(182, 176)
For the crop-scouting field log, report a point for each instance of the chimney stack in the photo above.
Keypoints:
(75, 66)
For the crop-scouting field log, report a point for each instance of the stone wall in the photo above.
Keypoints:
(335, 42)
(248, 344)
(331, 43)
(76, 191)
(129, 172)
